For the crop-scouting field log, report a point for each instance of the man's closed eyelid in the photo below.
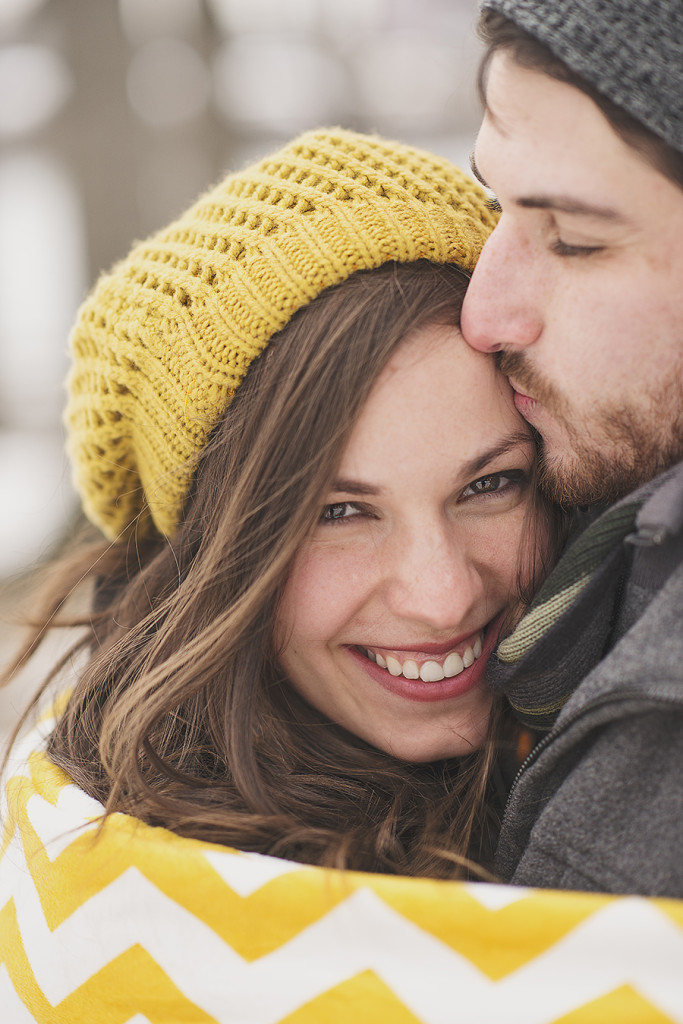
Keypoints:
(561, 248)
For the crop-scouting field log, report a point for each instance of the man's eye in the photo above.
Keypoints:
(561, 248)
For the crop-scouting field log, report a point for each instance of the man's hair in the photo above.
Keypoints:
(500, 33)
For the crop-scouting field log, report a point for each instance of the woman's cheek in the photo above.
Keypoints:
(329, 583)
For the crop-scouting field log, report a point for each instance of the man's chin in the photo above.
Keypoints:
(574, 478)
(560, 480)
(588, 458)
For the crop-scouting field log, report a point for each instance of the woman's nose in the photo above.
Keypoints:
(433, 581)
(502, 307)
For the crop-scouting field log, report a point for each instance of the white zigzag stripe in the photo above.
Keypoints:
(17, 759)
(628, 941)
(17, 765)
(13, 1010)
(494, 896)
(247, 872)
(130, 911)
(57, 826)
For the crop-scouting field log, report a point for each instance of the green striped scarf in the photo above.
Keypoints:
(567, 628)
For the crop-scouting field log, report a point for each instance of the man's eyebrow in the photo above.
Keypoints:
(566, 204)
(502, 447)
(563, 204)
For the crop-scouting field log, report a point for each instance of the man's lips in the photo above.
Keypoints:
(524, 403)
(518, 390)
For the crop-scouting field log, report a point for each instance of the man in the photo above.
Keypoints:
(580, 290)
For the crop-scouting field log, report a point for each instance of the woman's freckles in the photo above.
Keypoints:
(394, 602)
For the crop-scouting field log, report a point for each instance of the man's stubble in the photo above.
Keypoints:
(607, 452)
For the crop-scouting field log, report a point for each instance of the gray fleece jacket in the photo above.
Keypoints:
(598, 805)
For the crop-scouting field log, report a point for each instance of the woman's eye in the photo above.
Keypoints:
(494, 483)
(341, 510)
(486, 484)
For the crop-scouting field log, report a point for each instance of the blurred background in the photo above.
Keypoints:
(114, 115)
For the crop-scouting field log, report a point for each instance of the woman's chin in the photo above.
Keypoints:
(422, 748)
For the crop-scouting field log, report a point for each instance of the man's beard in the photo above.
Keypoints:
(614, 450)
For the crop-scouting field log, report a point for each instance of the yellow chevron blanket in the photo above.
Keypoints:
(135, 925)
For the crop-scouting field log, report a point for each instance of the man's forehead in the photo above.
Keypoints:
(548, 146)
(516, 95)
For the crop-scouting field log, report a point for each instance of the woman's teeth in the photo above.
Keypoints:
(429, 671)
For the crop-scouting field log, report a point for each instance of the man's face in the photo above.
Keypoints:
(580, 286)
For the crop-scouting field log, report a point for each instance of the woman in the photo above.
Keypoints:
(319, 509)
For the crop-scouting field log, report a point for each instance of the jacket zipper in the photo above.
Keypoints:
(597, 703)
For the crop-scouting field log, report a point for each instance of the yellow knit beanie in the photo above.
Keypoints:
(165, 339)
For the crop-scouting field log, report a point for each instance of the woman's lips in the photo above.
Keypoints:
(428, 650)
(426, 690)
(429, 662)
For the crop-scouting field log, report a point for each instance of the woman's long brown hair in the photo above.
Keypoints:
(181, 715)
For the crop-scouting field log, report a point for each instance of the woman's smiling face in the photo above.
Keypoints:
(393, 603)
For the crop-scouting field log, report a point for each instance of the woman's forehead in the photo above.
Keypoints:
(436, 404)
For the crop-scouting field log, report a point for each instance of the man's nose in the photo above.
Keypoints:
(502, 307)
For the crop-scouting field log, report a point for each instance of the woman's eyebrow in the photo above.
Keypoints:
(354, 487)
(502, 447)
(468, 469)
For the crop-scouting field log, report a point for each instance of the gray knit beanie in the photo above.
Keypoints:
(630, 50)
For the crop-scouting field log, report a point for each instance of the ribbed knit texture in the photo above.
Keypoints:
(566, 630)
(630, 50)
(165, 339)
